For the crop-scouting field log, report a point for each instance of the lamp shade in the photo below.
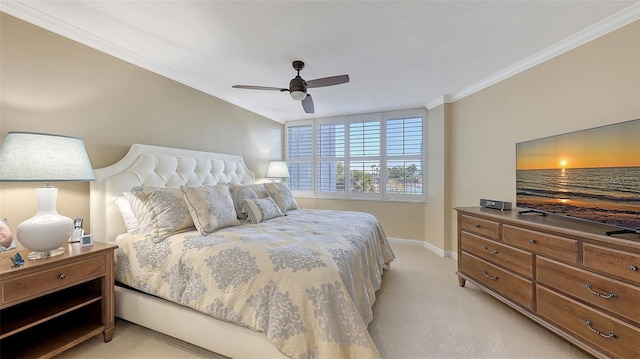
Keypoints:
(31, 157)
(39, 157)
(277, 169)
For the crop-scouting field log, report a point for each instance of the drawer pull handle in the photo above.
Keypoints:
(613, 295)
(62, 276)
(610, 335)
(486, 249)
(633, 268)
(486, 274)
(532, 241)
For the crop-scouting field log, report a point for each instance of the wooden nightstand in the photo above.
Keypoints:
(50, 305)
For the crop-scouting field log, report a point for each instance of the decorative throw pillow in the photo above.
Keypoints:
(261, 209)
(124, 207)
(168, 210)
(259, 189)
(281, 194)
(143, 215)
(211, 207)
(238, 194)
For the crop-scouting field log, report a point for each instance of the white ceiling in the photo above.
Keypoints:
(398, 54)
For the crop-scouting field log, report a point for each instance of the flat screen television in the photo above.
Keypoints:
(591, 175)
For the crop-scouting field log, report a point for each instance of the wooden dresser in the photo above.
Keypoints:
(565, 274)
(50, 305)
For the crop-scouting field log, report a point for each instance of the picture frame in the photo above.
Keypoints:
(86, 241)
(6, 238)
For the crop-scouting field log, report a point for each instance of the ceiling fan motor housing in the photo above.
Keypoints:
(297, 88)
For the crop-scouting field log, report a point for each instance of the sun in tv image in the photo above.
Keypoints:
(591, 174)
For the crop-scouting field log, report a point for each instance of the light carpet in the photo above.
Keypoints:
(420, 312)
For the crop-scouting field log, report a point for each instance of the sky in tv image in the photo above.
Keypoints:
(591, 174)
(615, 145)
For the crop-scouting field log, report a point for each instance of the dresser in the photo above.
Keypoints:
(50, 305)
(565, 274)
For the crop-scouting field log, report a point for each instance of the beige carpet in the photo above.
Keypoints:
(421, 312)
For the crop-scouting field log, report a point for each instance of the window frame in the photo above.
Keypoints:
(383, 158)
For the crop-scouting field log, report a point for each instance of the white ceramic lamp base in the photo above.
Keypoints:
(45, 232)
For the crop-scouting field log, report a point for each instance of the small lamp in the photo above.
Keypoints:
(278, 169)
(39, 157)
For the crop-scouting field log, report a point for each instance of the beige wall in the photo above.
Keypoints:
(54, 85)
(595, 84)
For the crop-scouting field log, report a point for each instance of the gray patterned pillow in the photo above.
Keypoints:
(167, 211)
(281, 194)
(211, 207)
(238, 194)
(261, 209)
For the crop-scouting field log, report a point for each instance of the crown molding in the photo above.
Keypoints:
(593, 32)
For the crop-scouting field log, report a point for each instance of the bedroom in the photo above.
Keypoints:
(594, 84)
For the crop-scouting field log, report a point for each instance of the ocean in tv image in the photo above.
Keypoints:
(591, 174)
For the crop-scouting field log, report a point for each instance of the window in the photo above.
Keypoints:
(373, 156)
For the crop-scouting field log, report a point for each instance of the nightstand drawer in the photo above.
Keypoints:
(510, 285)
(509, 257)
(481, 226)
(52, 279)
(561, 248)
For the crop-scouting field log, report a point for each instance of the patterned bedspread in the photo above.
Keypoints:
(307, 280)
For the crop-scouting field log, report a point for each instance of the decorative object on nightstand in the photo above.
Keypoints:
(38, 157)
(278, 170)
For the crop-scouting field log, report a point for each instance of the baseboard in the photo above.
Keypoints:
(439, 251)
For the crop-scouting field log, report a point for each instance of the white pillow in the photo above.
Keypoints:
(261, 209)
(124, 207)
(142, 214)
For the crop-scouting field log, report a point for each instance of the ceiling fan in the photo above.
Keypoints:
(298, 86)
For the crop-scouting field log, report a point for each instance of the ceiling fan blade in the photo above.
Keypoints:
(307, 104)
(258, 88)
(328, 81)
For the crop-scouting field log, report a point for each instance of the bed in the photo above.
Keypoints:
(284, 282)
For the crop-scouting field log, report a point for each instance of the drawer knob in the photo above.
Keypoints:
(532, 241)
(610, 335)
(494, 277)
(486, 249)
(62, 276)
(633, 268)
(478, 226)
(612, 295)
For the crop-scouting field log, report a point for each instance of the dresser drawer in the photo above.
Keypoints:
(52, 279)
(508, 284)
(481, 226)
(611, 261)
(556, 247)
(509, 257)
(612, 295)
(585, 323)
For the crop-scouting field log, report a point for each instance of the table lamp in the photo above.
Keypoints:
(278, 169)
(39, 157)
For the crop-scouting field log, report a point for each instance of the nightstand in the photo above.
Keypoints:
(50, 305)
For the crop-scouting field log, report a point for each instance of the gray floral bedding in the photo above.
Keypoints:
(307, 280)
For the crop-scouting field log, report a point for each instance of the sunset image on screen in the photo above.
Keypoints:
(591, 174)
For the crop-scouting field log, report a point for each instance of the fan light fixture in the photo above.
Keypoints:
(39, 157)
(298, 95)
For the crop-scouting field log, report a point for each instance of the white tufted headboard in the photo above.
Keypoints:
(156, 166)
